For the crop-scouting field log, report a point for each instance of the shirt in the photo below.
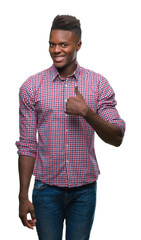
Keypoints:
(62, 144)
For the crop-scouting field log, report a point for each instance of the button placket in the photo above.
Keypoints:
(66, 120)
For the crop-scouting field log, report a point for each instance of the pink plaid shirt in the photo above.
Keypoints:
(64, 152)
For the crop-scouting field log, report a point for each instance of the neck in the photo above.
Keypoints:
(67, 70)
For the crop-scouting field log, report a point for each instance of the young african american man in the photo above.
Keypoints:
(65, 105)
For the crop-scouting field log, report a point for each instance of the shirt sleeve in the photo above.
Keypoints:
(27, 144)
(107, 105)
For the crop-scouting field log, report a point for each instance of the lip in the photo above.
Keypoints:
(58, 58)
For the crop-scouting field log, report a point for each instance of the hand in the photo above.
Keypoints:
(76, 105)
(25, 207)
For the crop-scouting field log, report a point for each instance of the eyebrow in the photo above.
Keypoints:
(58, 43)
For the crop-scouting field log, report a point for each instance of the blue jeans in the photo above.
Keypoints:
(54, 204)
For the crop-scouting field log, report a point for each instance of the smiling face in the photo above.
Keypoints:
(63, 48)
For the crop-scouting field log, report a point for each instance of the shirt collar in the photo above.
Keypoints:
(56, 74)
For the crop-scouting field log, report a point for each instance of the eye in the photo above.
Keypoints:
(51, 44)
(64, 45)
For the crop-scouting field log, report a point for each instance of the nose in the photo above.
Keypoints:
(57, 49)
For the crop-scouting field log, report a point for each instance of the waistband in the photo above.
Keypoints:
(72, 189)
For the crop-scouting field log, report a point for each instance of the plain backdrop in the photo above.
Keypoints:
(111, 45)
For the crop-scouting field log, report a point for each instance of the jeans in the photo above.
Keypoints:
(54, 204)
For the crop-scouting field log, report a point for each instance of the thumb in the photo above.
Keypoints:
(32, 213)
(76, 90)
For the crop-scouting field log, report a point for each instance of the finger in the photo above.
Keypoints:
(29, 224)
(32, 222)
(77, 91)
(66, 112)
(26, 222)
(32, 213)
(23, 219)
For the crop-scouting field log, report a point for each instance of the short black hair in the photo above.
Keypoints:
(68, 23)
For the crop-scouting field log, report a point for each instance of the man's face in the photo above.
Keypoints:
(63, 47)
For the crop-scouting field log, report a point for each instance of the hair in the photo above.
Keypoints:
(67, 23)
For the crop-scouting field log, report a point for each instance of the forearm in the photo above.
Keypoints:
(26, 165)
(108, 132)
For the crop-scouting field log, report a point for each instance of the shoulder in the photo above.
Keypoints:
(32, 83)
(91, 75)
(96, 81)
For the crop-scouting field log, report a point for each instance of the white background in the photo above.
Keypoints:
(111, 46)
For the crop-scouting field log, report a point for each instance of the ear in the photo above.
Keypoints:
(78, 45)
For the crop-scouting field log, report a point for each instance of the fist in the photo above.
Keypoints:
(76, 105)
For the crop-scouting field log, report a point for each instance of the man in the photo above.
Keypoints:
(65, 104)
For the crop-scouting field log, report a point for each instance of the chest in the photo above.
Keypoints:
(52, 96)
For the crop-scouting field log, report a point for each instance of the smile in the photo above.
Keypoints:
(58, 58)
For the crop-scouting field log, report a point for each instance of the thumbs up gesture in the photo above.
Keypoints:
(76, 105)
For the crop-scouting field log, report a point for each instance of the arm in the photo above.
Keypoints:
(27, 148)
(26, 165)
(108, 132)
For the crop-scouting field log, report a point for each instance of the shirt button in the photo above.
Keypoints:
(67, 161)
(67, 145)
(66, 85)
(65, 100)
(66, 130)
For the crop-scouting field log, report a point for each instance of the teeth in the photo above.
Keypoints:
(58, 58)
